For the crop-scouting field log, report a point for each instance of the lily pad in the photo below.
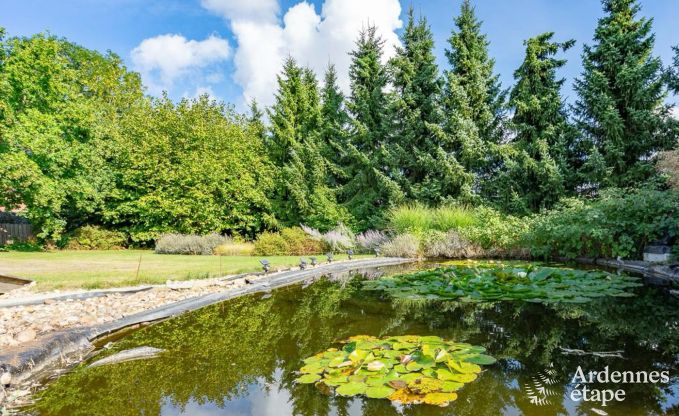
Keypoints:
(351, 389)
(440, 399)
(308, 378)
(407, 369)
(379, 392)
(493, 282)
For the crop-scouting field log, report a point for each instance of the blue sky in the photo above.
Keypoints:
(228, 71)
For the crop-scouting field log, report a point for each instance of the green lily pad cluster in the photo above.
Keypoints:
(496, 282)
(406, 369)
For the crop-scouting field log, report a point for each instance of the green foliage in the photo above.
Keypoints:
(418, 219)
(60, 105)
(473, 101)
(619, 223)
(406, 369)
(490, 282)
(91, 237)
(371, 189)
(194, 167)
(334, 135)
(672, 73)
(621, 94)
(302, 193)
(23, 246)
(536, 163)
(289, 241)
(499, 233)
(428, 171)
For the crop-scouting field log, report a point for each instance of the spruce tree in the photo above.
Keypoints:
(334, 133)
(621, 93)
(472, 69)
(474, 104)
(429, 172)
(539, 163)
(302, 194)
(370, 189)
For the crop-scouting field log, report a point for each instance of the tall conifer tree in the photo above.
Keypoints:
(473, 102)
(334, 130)
(538, 161)
(370, 189)
(472, 69)
(621, 93)
(428, 170)
(302, 194)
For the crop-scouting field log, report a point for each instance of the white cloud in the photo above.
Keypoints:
(675, 112)
(163, 59)
(312, 39)
(258, 10)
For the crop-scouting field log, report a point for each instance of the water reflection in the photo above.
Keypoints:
(239, 357)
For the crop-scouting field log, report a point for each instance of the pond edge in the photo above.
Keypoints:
(64, 348)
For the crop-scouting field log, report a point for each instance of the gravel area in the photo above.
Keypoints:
(22, 324)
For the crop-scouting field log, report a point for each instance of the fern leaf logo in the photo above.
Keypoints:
(538, 388)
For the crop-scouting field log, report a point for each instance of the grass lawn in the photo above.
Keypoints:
(97, 269)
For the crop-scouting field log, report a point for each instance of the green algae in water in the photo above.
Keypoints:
(407, 369)
(489, 282)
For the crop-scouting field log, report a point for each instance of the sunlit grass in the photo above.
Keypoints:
(114, 268)
(418, 219)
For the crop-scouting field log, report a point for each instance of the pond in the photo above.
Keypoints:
(240, 357)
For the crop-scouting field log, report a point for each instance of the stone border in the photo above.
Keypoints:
(29, 362)
(656, 274)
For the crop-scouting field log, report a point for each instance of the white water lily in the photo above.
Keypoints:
(522, 274)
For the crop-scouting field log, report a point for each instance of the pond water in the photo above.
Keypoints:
(240, 357)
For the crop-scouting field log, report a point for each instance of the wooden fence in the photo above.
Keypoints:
(15, 232)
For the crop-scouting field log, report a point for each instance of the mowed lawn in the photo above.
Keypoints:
(98, 269)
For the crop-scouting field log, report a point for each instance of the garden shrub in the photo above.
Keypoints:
(403, 245)
(92, 237)
(270, 244)
(299, 243)
(370, 240)
(235, 248)
(338, 239)
(448, 245)
(290, 241)
(495, 232)
(619, 223)
(173, 243)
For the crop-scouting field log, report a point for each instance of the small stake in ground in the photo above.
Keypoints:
(136, 277)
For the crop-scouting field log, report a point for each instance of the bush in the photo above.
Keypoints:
(370, 240)
(418, 219)
(235, 249)
(23, 246)
(290, 241)
(449, 245)
(619, 223)
(299, 243)
(190, 243)
(338, 239)
(403, 245)
(91, 237)
(496, 233)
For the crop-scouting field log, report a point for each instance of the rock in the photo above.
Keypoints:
(26, 335)
(49, 301)
(5, 379)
